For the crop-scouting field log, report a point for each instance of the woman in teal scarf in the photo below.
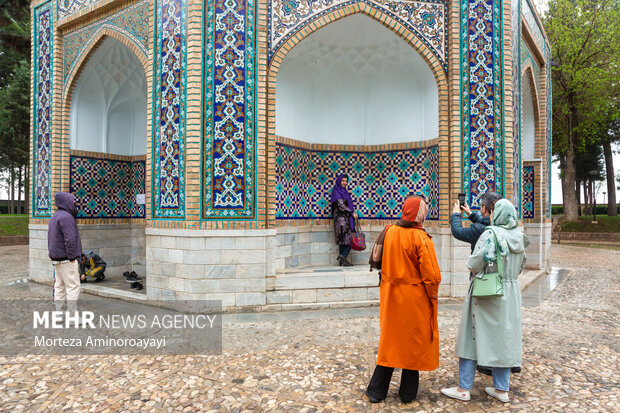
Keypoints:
(490, 330)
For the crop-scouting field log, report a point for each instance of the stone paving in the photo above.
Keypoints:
(322, 360)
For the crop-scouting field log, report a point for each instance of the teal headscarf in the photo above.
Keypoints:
(504, 226)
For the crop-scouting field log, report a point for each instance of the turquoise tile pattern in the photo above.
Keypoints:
(379, 181)
(42, 111)
(229, 130)
(107, 188)
(529, 193)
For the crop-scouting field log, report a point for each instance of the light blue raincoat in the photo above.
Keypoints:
(490, 329)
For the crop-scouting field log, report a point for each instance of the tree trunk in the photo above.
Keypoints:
(26, 190)
(19, 191)
(580, 209)
(612, 209)
(12, 190)
(569, 191)
(568, 187)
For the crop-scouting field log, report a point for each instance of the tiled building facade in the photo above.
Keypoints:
(209, 200)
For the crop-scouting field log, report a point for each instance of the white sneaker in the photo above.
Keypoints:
(454, 393)
(502, 397)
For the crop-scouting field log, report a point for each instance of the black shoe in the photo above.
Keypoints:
(484, 370)
(515, 369)
(372, 399)
(83, 281)
(346, 263)
(406, 400)
(341, 260)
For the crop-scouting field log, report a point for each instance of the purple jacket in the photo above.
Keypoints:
(63, 238)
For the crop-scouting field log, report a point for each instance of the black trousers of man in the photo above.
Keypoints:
(380, 383)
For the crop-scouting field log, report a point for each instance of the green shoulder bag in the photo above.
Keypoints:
(490, 285)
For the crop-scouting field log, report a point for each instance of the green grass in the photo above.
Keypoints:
(584, 224)
(13, 224)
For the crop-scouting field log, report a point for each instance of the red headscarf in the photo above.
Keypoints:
(414, 210)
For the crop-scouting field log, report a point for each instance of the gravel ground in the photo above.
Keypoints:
(307, 364)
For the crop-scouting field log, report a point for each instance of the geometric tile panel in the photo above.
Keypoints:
(42, 111)
(426, 18)
(132, 22)
(481, 98)
(170, 104)
(229, 111)
(529, 193)
(379, 181)
(107, 188)
(68, 7)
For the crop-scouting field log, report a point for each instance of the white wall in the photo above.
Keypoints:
(355, 82)
(528, 122)
(108, 109)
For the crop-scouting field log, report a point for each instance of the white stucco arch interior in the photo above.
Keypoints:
(528, 122)
(355, 82)
(108, 108)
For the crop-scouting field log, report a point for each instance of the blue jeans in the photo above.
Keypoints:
(467, 371)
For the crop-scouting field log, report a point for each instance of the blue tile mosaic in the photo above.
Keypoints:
(107, 188)
(379, 181)
(170, 97)
(42, 111)
(229, 110)
(529, 192)
(482, 98)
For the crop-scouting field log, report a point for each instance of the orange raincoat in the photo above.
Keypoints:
(409, 288)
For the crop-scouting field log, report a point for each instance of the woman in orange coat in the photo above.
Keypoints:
(409, 287)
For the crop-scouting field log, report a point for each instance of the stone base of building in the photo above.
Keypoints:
(121, 246)
(288, 268)
(537, 252)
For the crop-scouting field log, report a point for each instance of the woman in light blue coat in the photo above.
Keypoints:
(490, 329)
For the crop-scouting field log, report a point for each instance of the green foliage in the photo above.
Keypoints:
(585, 40)
(14, 83)
(14, 118)
(600, 209)
(13, 225)
(584, 224)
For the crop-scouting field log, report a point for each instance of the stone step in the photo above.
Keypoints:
(319, 278)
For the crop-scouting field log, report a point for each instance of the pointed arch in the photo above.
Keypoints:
(397, 28)
(90, 49)
(528, 74)
(69, 88)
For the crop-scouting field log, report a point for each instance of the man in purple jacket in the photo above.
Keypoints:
(65, 249)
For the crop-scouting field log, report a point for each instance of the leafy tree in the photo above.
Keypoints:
(585, 41)
(15, 93)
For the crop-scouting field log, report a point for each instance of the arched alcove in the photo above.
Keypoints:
(108, 107)
(529, 119)
(355, 82)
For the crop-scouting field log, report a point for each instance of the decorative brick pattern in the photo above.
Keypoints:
(515, 18)
(169, 119)
(229, 110)
(132, 22)
(42, 111)
(107, 188)
(379, 180)
(482, 86)
(529, 192)
(427, 19)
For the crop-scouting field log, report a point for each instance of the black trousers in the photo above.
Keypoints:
(344, 250)
(380, 383)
